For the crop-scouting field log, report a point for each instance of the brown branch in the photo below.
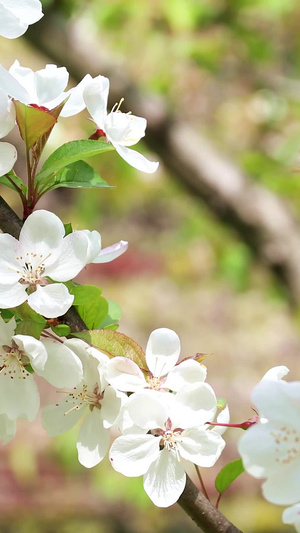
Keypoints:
(262, 219)
(206, 516)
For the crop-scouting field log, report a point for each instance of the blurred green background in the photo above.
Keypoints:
(229, 69)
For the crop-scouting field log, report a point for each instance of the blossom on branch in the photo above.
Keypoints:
(162, 353)
(270, 449)
(44, 88)
(120, 129)
(94, 399)
(167, 428)
(43, 254)
(17, 15)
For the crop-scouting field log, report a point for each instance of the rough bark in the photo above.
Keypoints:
(262, 219)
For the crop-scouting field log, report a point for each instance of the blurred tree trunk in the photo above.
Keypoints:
(261, 218)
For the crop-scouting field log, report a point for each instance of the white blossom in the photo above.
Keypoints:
(270, 449)
(167, 428)
(120, 129)
(44, 88)
(17, 15)
(162, 353)
(8, 157)
(94, 399)
(19, 396)
(42, 252)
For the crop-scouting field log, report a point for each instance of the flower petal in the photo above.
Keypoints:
(7, 330)
(72, 257)
(12, 295)
(185, 373)
(201, 446)
(7, 114)
(11, 87)
(93, 440)
(62, 368)
(162, 351)
(75, 102)
(42, 233)
(95, 96)
(8, 429)
(133, 454)
(125, 375)
(49, 84)
(165, 480)
(135, 159)
(34, 350)
(59, 418)
(8, 157)
(110, 407)
(111, 252)
(291, 515)
(282, 487)
(149, 409)
(50, 301)
(19, 398)
(197, 404)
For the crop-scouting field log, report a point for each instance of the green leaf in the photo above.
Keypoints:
(32, 122)
(68, 228)
(62, 330)
(69, 153)
(228, 474)
(31, 322)
(13, 181)
(78, 174)
(115, 344)
(113, 317)
(91, 306)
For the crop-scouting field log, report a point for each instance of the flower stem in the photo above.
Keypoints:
(201, 482)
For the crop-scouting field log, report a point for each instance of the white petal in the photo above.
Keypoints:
(185, 373)
(278, 400)
(34, 350)
(123, 128)
(125, 375)
(133, 454)
(11, 87)
(12, 295)
(72, 258)
(7, 114)
(276, 373)
(75, 102)
(8, 157)
(8, 429)
(94, 244)
(95, 96)
(135, 159)
(282, 487)
(111, 252)
(63, 368)
(222, 418)
(197, 404)
(202, 447)
(51, 301)
(110, 407)
(59, 418)
(50, 83)
(42, 233)
(19, 398)
(148, 409)
(93, 440)
(25, 78)
(29, 11)
(162, 351)
(10, 26)
(165, 480)
(9, 265)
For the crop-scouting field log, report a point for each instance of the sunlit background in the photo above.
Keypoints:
(228, 71)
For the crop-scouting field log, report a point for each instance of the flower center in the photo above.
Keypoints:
(169, 437)
(13, 361)
(32, 268)
(83, 397)
(287, 440)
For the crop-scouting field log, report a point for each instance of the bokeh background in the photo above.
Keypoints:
(214, 234)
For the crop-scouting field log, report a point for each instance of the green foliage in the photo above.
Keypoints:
(115, 344)
(62, 330)
(67, 154)
(31, 323)
(113, 317)
(91, 306)
(228, 475)
(13, 181)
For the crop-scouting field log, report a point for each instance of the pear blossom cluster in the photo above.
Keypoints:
(277, 456)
